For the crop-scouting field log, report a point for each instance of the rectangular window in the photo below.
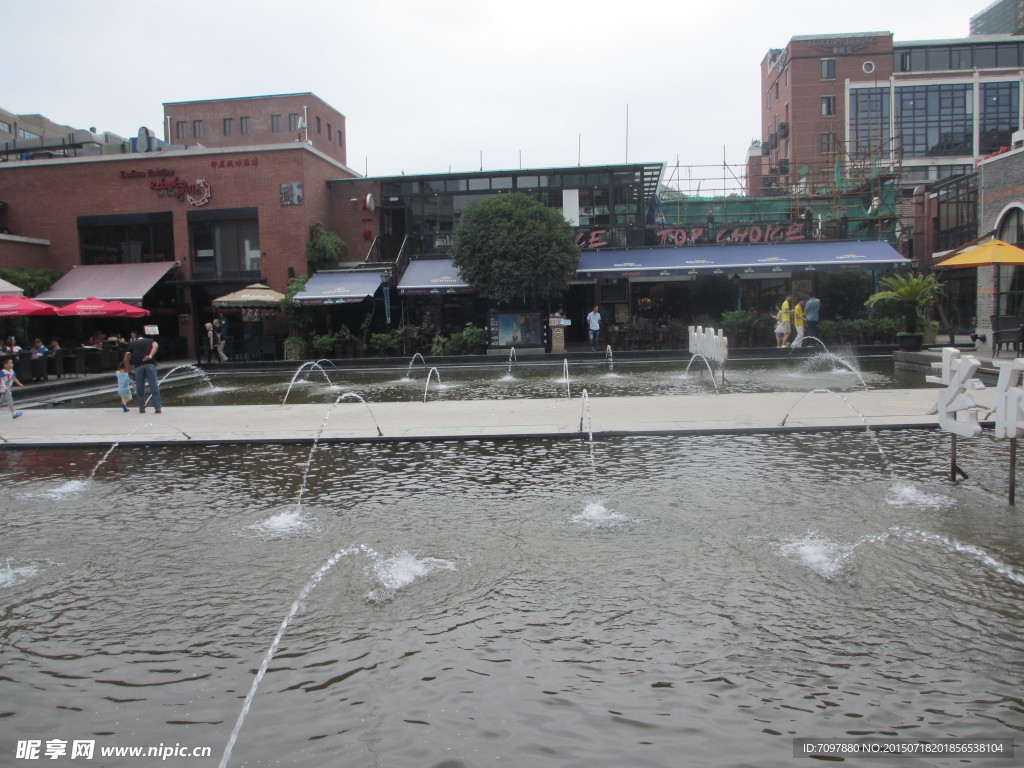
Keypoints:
(828, 69)
(243, 126)
(275, 123)
(826, 143)
(5, 127)
(197, 129)
(330, 136)
(126, 239)
(229, 125)
(318, 125)
(869, 124)
(226, 248)
(828, 105)
(1000, 103)
(179, 129)
(23, 134)
(935, 120)
(293, 121)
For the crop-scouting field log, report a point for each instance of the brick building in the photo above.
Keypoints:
(219, 219)
(258, 121)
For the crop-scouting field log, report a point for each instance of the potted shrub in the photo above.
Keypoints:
(738, 325)
(382, 344)
(295, 348)
(474, 339)
(323, 345)
(912, 293)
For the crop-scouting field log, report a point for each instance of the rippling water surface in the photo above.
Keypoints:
(633, 602)
(527, 380)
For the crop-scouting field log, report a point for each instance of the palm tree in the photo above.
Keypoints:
(914, 292)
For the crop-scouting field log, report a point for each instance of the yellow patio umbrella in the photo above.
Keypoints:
(988, 253)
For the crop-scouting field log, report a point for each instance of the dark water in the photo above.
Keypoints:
(529, 381)
(635, 602)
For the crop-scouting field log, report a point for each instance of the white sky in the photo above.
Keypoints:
(432, 86)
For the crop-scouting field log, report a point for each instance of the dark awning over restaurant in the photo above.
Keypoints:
(110, 282)
(760, 260)
(432, 276)
(325, 288)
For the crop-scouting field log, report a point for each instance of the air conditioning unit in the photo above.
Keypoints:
(783, 167)
(783, 130)
(766, 149)
(773, 171)
(773, 139)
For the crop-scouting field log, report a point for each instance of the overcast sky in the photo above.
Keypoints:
(430, 87)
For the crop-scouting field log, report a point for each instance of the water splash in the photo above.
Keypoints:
(268, 657)
(281, 525)
(426, 387)
(15, 575)
(707, 364)
(585, 415)
(978, 553)
(401, 570)
(596, 515)
(904, 494)
(609, 358)
(512, 360)
(195, 369)
(874, 438)
(412, 361)
(832, 358)
(355, 396)
(299, 370)
(820, 555)
(565, 370)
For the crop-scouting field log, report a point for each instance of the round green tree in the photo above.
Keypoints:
(515, 250)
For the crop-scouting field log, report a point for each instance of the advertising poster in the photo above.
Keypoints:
(520, 329)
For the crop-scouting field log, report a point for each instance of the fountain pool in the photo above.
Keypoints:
(522, 603)
(316, 384)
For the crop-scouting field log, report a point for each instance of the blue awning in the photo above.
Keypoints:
(761, 260)
(432, 277)
(325, 288)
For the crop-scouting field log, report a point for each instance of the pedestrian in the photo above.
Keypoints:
(798, 323)
(811, 314)
(218, 338)
(785, 318)
(141, 357)
(210, 344)
(7, 382)
(594, 326)
(124, 383)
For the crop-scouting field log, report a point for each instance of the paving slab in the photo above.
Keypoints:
(461, 420)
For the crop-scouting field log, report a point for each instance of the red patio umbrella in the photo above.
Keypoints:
(129, 310)
(93, 307)
(19, 306)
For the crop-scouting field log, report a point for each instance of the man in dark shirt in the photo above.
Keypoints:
(142, 356)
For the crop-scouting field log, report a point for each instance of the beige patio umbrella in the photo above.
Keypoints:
(255, 296)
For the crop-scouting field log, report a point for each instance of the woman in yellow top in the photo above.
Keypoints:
(785, 317)
(798, 323)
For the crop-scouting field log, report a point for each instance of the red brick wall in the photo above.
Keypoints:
(21, 252)
(45, 198)
(353, 221)
(258, 109)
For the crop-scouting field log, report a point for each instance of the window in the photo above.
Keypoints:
(827, 140)
(935, 120)
(293, 121)
(5, 127)
(330, 137)
(828, 105)
(828, 69)
(179, 129)
(225, 248)
(23, 134)
(228, 126)
(318, 125)
(243, 126)
(126, 239)
(197, 129)
(275, 123)
(869, 123)
(999, 108)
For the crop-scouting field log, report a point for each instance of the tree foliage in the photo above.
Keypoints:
(31, 281)
(515, 250)
(911, 292)
(324, 249)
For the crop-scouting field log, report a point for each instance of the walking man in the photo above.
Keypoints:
(594, 326)
(811, 310)
(142, 356)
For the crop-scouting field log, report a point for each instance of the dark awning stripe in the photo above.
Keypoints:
(740, 259)
(110, 282)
